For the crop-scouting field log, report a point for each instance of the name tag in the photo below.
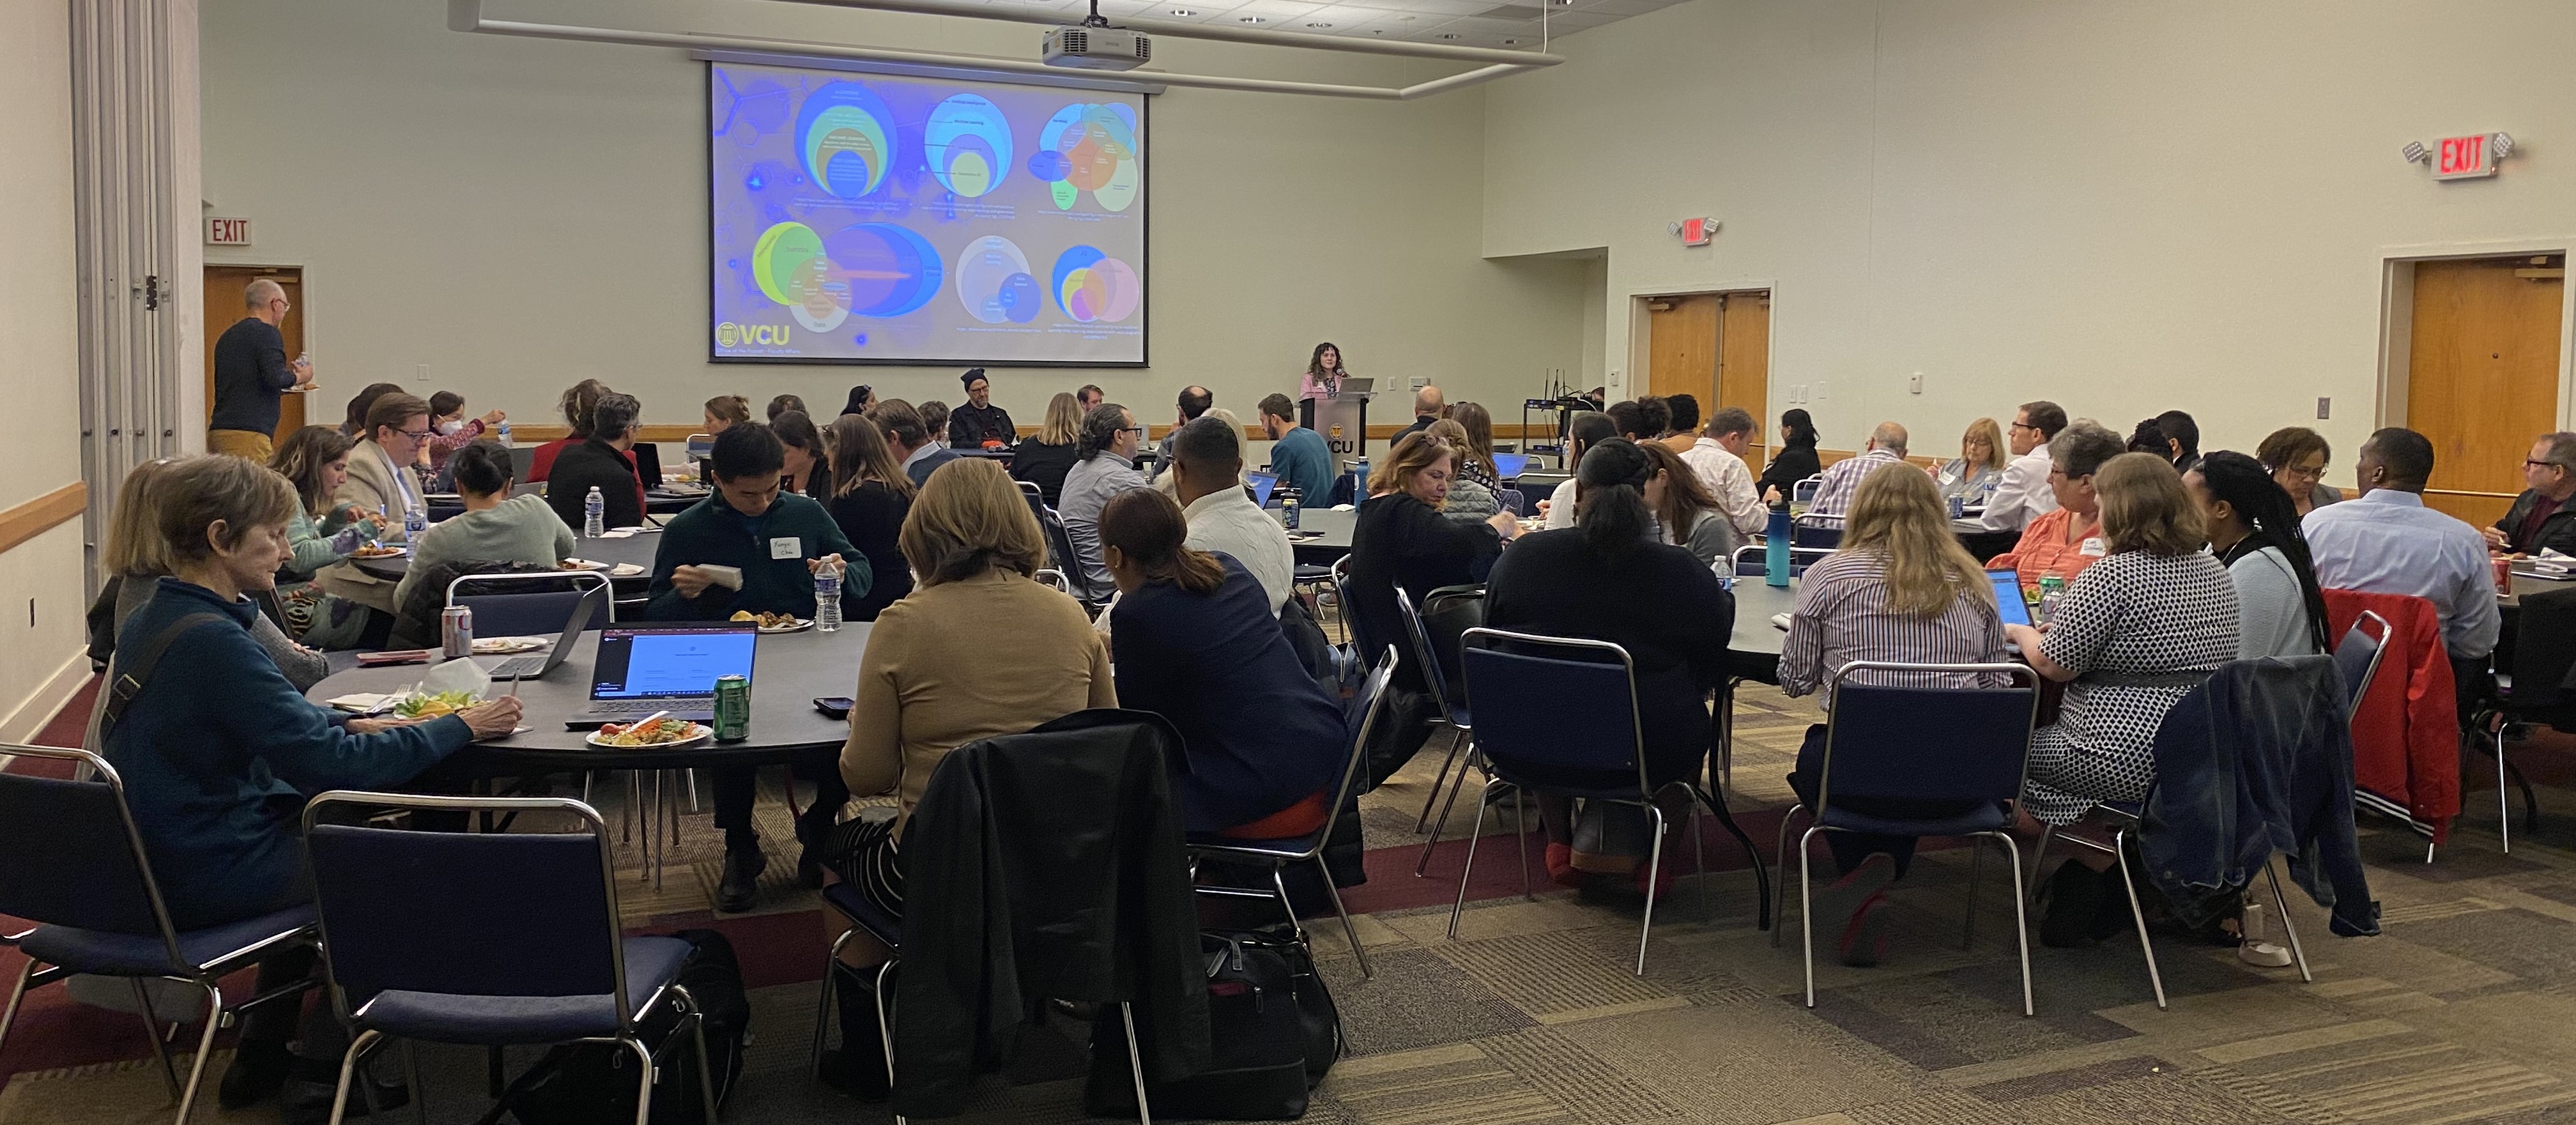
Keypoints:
(2092, 547)
(793, 547)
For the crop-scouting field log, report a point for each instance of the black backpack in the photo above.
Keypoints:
(594, 1083)
(1274, 1031)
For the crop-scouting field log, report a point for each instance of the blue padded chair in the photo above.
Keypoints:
(1804, 492)
(1751, 561)
(1362, 644)
(1447, 695)
(540, 613)
(77, 869)
(1821, 532)
(1279, 855)
(1877, 740)
(1513, 501)
(1559, 704)
(1068, 561)
(488, 939)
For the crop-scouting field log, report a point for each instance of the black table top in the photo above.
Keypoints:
(637, 549)
(789, 672)
(2526, 584)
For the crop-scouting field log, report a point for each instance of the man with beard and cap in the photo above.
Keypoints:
(979, 424)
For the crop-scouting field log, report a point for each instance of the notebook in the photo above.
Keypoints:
(2008, 599)
(641, 671)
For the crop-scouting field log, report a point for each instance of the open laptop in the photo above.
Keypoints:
(1508, 466)
(1262, 485)
(533, 666)
(648, 464)
(2008, 600)
(641, 671)
(1357, 385)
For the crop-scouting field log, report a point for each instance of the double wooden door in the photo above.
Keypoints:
(1715, 347)
(2482, 376)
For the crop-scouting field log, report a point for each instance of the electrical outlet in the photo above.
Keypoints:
(421, 373)
(1914, 385)
(2325, 406)
(1820, 391)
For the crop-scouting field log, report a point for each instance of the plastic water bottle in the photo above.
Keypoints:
(591, 506)
(1775, 551)
(827, 598)
(505, 434)
(415, 521)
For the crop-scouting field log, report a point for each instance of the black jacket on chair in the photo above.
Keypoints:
(1038, 866)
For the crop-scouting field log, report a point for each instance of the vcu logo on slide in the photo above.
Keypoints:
(731, 335)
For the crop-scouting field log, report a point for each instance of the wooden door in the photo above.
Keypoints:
(224, 307)
(2482, 375)
(1682, 347)
(1744, 365)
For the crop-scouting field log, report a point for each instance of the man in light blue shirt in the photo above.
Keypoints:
(2387, 542)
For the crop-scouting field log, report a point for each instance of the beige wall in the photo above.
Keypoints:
(520, 214)
(38, 322)
(2124, 207)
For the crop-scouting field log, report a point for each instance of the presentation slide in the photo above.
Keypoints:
(865, 219)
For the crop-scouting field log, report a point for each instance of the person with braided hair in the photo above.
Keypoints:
(2254, 529)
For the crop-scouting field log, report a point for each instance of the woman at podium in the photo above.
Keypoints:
(1324, 374)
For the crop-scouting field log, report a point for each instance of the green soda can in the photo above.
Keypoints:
(733, 709)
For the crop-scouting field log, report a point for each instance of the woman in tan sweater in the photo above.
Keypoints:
(929, 684)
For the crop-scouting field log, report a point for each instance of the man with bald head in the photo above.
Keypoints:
(1428, 406)
(251, 371)
(1834, 495)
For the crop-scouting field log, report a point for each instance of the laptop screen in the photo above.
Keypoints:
(2008, 599)
(648, 464)
(1508, 466)
(1262, 484)
(669, 663)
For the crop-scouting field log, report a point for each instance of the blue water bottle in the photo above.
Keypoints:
(1775, 553)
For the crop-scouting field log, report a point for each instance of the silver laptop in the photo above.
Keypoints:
(641, 671)
(533, 666)
(1359, 385)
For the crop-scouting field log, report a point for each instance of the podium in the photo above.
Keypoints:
(1343, 422)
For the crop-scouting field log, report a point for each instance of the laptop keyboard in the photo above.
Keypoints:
(518, 666)
(644, 706)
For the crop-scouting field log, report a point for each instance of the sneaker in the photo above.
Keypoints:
(740, 886)
(1560, 866)
(1864, 942)
(2263, 954)
(1843, 909)
(2075, 905)
(257, 1071)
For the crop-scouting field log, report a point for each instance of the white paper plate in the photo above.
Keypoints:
(706, 734)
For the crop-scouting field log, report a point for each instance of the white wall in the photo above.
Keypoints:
(39, 324)
(2123, 207)
(521, 214)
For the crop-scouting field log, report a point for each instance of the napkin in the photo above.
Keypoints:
(456, 675)
(358, 703)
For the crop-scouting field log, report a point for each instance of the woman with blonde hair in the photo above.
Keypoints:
(927, 686)
(1047, 455)
(725, 410)
(869, 497)
(1979, 467)
(1469, 502)
(1901, 589)
(1401, 539)
(133, 560)
(2134, 633)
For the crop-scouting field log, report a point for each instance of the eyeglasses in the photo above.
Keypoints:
(415, 435)
(2530, 464)
(1139, 431)
(2025, 426)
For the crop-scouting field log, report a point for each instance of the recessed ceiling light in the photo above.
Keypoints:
(1377, 31)
(1319, 25)
(1185, 11)
(1511, 42)
(1252, 19)
(1448, 35)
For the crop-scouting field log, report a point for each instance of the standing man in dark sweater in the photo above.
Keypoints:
(777, 541)
(979, 424)
(251, 371)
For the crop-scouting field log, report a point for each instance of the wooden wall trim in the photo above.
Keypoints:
(42, 514)
(1503, 431)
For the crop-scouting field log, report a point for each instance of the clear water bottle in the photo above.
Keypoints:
(415, 521)
(827, 598)
(1288, 504)
(591, 506)
(505, 434)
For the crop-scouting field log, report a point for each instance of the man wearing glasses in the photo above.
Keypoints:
(2024, 494)
(2539, 518)
(382, 480)
(1107, 448)
(251, 371)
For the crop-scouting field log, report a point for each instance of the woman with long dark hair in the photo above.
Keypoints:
(870, 496)
(1609, 578)
(809, 468)
(1796, 460)
(1324, 374)
(2254, 529)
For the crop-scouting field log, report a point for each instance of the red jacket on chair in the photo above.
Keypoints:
(2406, 729)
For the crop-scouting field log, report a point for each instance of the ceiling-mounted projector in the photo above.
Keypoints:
(1096, 47)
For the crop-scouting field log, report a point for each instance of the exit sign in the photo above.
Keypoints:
(2464, 158)
(227, 232)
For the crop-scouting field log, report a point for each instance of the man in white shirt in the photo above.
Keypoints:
(1718, 458)
(2385, 541)
(1842, 479)
(1207, 478)
(2024, 495)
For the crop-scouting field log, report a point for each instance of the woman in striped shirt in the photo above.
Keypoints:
(1900, 589)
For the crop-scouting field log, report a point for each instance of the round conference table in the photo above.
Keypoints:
(637, 548)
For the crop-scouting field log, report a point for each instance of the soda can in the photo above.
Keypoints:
(2504, 574)
(456, 632)
(1288, 505)
(733, 709)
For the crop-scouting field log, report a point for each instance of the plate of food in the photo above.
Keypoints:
(660, 733)
(504, 646)
(379, 551)
(772, 622)
(430, 705)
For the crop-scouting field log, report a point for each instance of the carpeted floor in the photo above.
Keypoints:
(2464, 1011)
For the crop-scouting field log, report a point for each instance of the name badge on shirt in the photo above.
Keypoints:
(2092, 547)
(793, 547)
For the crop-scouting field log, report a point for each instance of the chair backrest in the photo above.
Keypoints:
(1805, 491)
(1068, 561)
(1512, 501)
(1554, 702)
(1050, 576)
(2540, 669)
(1363, 644)
(1035, 496)
(1929, 742)
(537, 613)
(2357, 656)
(75, 857)
(1752, 560)
(1817, 531)
(1443, 606)
(1365, 708)
(523, 461)
(472, 914)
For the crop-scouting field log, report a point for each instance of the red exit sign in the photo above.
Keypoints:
(2464, 158)
(227, 232)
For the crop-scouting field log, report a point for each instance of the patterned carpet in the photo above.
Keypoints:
(2464, 1011)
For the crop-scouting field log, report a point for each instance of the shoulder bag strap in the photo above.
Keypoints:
(127, 684)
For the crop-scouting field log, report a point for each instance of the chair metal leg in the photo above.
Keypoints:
(1726, 737)
(1450, 805)
(419, 1093)
(2504, 795)
(2281, 907)
(1699, 852)
(205, 1049)
(1520, 833)
(1279, 882)
(885, 1026)
(643, 1082)
(2038, 861)
(1350, 929)
(9, 1015)
(1469, 869)
(152, 1028)
(1976, 869)
(1135, 1063)
(1806, 911)
(1654, 874)
(698, 1033)
(823, 1010)
(626, 810)
(692, 776)
(2021, 921)
(349, 1068)
(1456, 739)
(1762, 912)
(1780, 894)
(2129, 884)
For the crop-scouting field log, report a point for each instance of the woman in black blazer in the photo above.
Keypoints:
(869, 498)
(1048, 454)
(1609, 579)
(1401, 539)
(1796, 460)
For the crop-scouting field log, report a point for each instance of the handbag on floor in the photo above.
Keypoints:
(1611, 839)
(594, 1083)
(1274, 1031)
